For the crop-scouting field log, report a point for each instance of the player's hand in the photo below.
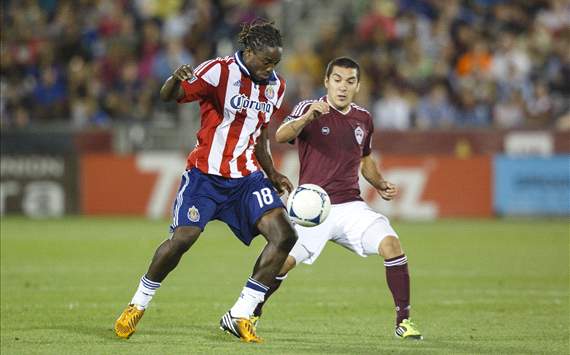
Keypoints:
(387, 190)
(184, 72)
(318, 108)
(281, 183)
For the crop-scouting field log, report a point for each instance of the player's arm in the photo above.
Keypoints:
(292, 128)
(369, 170)
(171, 89)
(280, 181)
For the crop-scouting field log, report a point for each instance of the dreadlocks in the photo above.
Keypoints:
(258, 34)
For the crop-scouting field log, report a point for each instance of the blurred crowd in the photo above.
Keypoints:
(426, 64)
(100, 62)
(452, 64)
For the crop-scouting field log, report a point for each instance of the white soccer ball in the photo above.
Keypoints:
(308, 205)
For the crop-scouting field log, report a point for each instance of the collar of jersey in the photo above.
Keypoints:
(238, 57)
(325, 99)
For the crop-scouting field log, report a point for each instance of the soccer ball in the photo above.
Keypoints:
(308, 205)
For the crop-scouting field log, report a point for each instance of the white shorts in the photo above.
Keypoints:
(346, 226)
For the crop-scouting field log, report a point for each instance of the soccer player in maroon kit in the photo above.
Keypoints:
(334, 142)
(223, 179)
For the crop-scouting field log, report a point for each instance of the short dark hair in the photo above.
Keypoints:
(258, 34)
(343, 62)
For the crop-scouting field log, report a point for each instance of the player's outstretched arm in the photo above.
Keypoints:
(280, 181)
(291, 129)
(370, 171)
(171, 89)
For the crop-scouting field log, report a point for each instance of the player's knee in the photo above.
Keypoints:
(278, 230)
(390, 247)
(284, 237)
(287, 238)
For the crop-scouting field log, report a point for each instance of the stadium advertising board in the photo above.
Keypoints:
(142, 184)
(431, 187)
(38, 185)
(436, 186)
(532, 186)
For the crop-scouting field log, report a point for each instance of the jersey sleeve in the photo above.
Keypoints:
(299, 110)
(367, 147)
(205, 81)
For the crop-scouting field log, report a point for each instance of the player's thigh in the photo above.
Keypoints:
(195, 203)
(276, 227)
(312, 240)
(356, 220)
(381, 238)
(253, 198)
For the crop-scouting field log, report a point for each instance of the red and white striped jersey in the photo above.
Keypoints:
(233, 110)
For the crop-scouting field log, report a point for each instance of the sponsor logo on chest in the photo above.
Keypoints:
(241, 101)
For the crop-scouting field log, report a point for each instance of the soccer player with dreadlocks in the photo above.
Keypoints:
(223, 179)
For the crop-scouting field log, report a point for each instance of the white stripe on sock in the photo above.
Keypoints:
(258, 284)
(401, 261)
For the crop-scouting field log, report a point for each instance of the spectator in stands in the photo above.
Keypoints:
(170, 57)
(510, 113)
(472, 112)
(435, 110)
(378, 21)
(415, 67)
(49, 94)
(510, 60)
(476, 61)
(149, 48)
(541, 107)
(392, 111)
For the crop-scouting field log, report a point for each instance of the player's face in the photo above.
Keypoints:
(261, 63)
(341, 86)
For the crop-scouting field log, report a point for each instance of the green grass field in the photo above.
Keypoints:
(478, 286)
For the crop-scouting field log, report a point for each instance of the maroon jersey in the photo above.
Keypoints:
(331, 147)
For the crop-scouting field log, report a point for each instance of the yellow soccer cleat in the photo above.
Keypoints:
(242, 328)
(407, 330)
(255, 321)
(127, 321)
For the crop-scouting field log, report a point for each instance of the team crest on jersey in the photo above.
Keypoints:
(193, 214)
(325, 131)
(269, 92)
(359, 134)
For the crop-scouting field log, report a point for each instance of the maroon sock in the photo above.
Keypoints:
(398, 281)
(272, 288)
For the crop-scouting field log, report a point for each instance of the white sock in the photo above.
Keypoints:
(144, 293)
(252, 294)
